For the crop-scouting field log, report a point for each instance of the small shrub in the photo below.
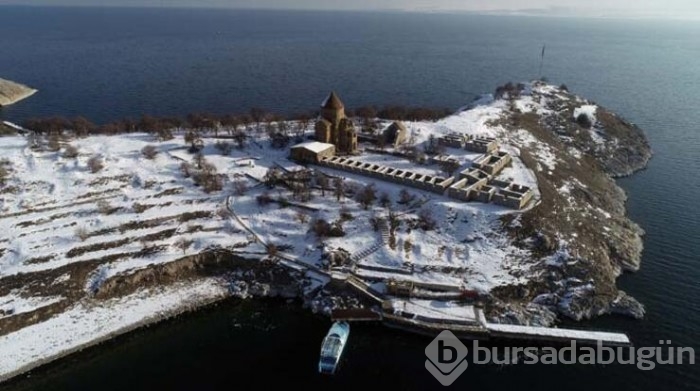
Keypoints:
(224, 147)
(186, 169)
(148, 249)
(321, 228)
(105, 207)
(82, 233)
(211, 182)
(139, 208)
(407, 246)
(584, 121)
(283, 202)
(337, 230)
(240, 187)
(426, 222)
(264, 199)
(4, 174)
(509, 91)
(384, 200)
(70, 152)
(149, 152)
(207, 167)
(165, 135)
(345, 214)
(95, 164)
(224, 213)
(272, 251)
(405, 197)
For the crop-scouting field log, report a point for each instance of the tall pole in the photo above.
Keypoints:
(542, 59)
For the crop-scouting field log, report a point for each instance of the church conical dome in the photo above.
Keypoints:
(332, 102)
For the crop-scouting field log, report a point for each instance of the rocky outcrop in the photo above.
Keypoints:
(11, 92)
(579, 235)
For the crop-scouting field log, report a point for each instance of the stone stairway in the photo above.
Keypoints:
(366, 252)
(384, 230)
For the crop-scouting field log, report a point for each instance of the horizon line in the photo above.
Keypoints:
(528, 13)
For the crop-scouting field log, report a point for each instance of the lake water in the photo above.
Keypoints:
(111, 63)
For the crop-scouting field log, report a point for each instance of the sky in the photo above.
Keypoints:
(610, 8)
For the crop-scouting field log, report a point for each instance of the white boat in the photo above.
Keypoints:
(332, 347)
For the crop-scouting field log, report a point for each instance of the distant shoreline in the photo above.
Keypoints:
(12, 92)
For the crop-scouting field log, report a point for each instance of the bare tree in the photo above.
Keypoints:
(54, 143)
(82, 126)
(367, 196)
(339, 188)
(183, 244)
(239, 137)
(322, 182)
(258, 116)
(194, 138)
(302, 217)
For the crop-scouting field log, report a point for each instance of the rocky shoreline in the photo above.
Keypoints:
(583, 240)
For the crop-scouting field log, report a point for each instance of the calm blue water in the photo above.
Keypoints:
(111, 63)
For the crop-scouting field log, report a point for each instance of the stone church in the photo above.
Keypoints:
(333, 127)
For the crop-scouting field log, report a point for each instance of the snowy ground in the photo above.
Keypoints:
(86, 322)
(56, 214)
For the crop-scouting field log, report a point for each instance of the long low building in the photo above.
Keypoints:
(474, 184)
(435, 184)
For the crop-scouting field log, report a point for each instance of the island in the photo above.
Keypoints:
(11, 92)
(496, 221)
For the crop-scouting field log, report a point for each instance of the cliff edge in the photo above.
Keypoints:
(580, 236)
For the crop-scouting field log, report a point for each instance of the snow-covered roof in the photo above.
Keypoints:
(314, 146)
